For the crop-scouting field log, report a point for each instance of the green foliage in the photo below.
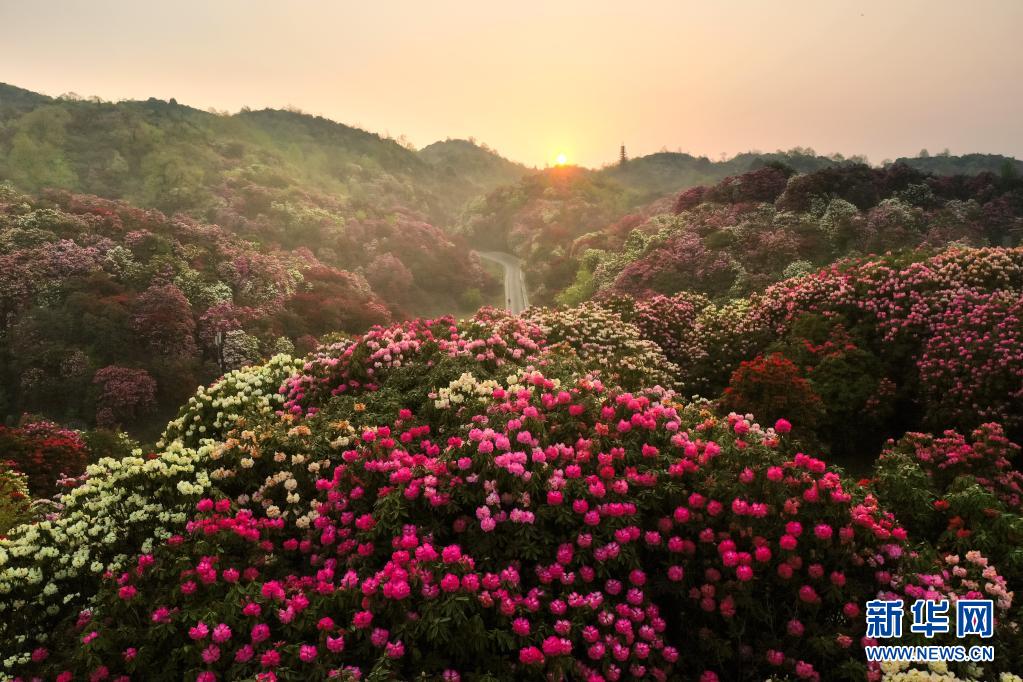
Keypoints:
(584, 285)
(36, 157)
(15, 502)
(107, 443)
(176, 158)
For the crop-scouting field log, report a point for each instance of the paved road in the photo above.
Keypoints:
(515, 297)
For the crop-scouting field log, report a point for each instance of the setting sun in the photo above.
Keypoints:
(561, 159)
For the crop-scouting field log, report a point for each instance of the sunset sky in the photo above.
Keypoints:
(579, 77)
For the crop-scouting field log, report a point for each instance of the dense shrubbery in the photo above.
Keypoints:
(536, 509)
(750, 230)
(122, 507)
(603, 340)
(899, 314)
(534, 563)
(879, 346)
(973, 362)
(964, 497)
(15, 498)
(113, 314)
(402, 354)
(212, 412)
(960, 493)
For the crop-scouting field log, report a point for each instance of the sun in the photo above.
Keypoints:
(561, 159)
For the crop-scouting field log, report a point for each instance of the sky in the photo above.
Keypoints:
(534, 79)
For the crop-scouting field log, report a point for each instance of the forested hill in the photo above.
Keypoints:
(471, 169)
(657, 174)
(175, 158)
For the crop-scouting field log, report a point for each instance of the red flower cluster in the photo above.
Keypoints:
(44, 452)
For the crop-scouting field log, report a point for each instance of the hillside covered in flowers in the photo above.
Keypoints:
(111, 314)
(533, 497)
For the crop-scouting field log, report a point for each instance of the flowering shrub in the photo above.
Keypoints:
(213, 411)
(239, 349)
(763, 184)
(555, 529)
(463, 389)
(123, 506)
(719, 341)
(669, 322)
(689, 199)
(125, 394)
(43, 451)
(681, 263)
(490, 339)
(390, 276)
(959, 493)
(971, 366)
(987, 456)
(772, 387)
(163, 321)
(605, 342)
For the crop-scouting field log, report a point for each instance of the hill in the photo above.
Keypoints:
(471, 170)
(281, 179)
(172, 157)
(966, 164)
(165, 155)
(657, 174)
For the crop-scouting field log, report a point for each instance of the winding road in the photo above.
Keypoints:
(515, 296)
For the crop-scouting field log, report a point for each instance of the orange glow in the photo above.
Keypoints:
(561, 159)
